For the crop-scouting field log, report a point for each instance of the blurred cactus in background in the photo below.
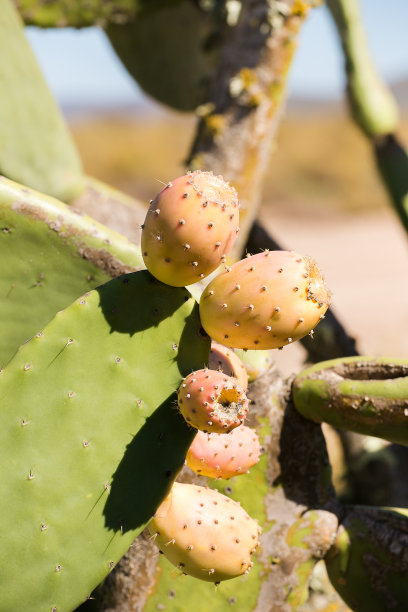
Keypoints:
(94, 347)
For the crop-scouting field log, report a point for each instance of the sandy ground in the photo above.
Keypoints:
(365, 262)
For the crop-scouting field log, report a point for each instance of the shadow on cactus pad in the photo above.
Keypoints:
(81, 441)
(158, 448)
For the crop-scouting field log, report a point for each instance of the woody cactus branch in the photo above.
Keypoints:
(246, 96)
(372, 104)
(78, 14)
(368, 562)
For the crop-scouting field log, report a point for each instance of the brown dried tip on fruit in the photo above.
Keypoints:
(211, 401)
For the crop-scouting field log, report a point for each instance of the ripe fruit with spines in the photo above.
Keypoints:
(190, 227)
(204, 533)
(265, 301)
(211, 401)
(224, 455)
(224, 359)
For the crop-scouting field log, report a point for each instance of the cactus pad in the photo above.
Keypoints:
(50, 256)
(86, 453)
(36, 147)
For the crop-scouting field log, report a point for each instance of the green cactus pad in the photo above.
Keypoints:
(367, 563)
(50, 255)
(36, 147)
(176, 71)
(363, 394)
(90, 435)
(372, 104)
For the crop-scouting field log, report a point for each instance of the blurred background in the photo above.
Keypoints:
(322, 194)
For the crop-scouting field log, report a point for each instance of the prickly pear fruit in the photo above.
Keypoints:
(211, 401)
(204, 533)
(189, 228)
(224, 359)
(264, 301)
(224, 455)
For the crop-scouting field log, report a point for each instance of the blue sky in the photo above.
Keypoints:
(81, 68)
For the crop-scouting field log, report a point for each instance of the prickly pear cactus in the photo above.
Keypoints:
(36, 148)
(50, 256)
(90, 442)
(290, 495)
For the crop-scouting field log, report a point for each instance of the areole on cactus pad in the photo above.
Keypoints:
(190, 227)
(264, 301)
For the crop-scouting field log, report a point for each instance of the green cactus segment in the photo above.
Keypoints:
(392, 162)
(362, 394)
(50, 255)
(256, 362)
(79, 14)
(367, 563)
(372, 105)
(36, 147)
(91, 439)
(176, 71)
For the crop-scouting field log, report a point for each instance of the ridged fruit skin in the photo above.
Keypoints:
(190, 227)
(224, 359)
(265, 301)
(211, 401)
(224, 455)
(204, 533)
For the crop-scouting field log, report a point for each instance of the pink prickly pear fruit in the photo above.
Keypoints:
(224, 455)
(264, 301)
(204, 533)
(190, 227)
(224, 359)
(211, 401)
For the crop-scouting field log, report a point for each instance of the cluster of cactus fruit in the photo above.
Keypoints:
(124, 333)
(263, 301)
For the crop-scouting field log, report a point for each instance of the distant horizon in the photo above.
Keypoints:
(295, 103)
(83, 71)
